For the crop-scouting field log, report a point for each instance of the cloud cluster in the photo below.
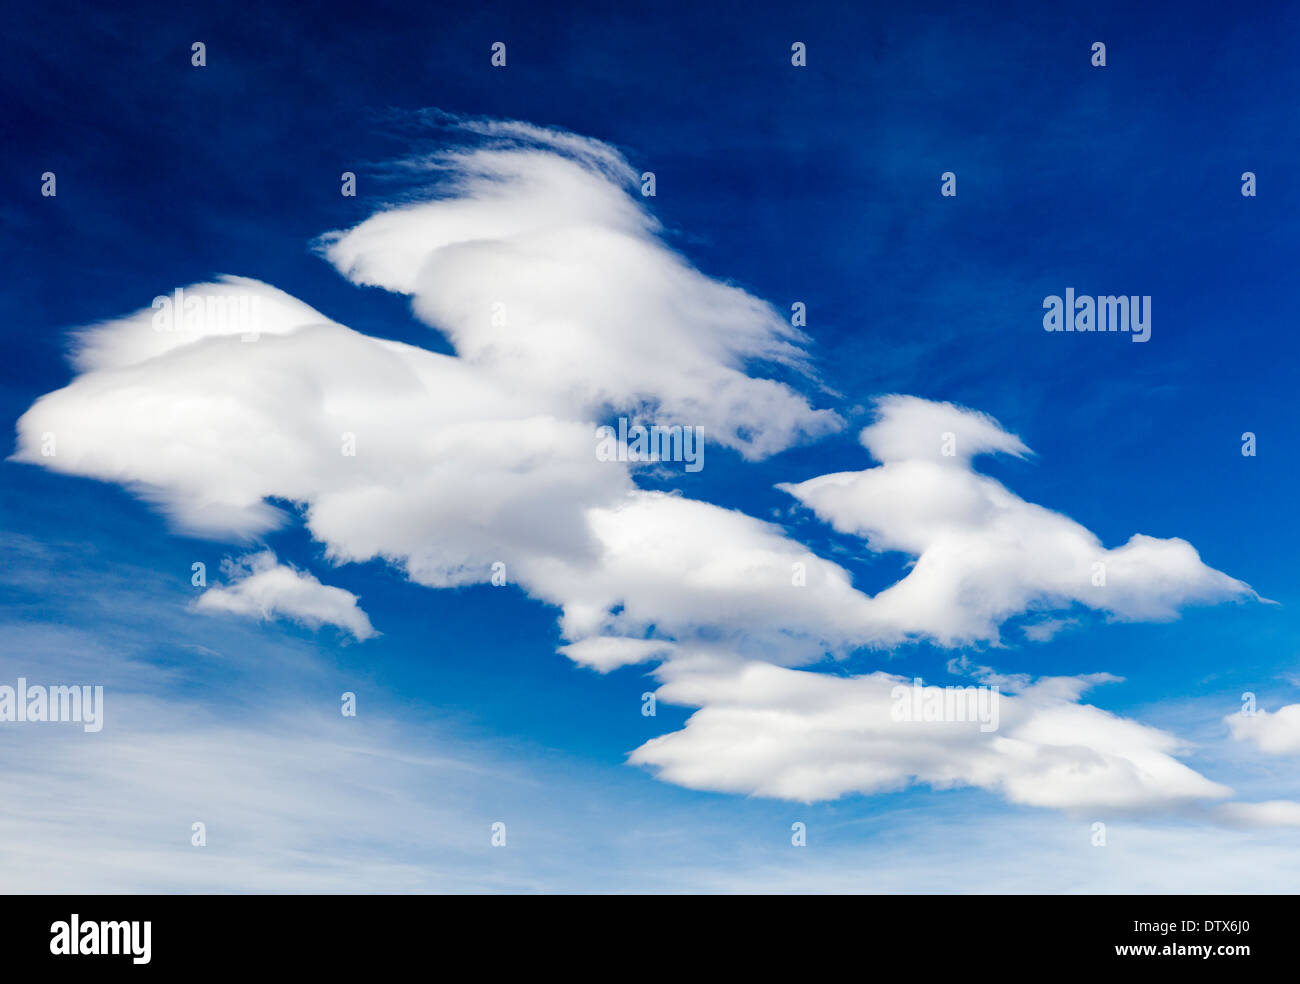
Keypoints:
(563, 303)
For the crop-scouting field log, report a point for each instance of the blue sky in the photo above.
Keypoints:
(817, 184)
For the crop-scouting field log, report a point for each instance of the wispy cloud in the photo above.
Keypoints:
(260, 586)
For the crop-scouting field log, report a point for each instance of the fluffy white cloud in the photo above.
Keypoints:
(690, 568)
(260, 586)
(1276, 732)
(982, 553)
(232, 307)
(799, 735)
(908, 428)
(543, 269)
(448, 467)
(605, 653)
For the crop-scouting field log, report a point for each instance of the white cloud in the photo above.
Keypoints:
(211, 428)
(772, 731)
(688, 568)
(261, 587)
(232, 307)
(908, 428)
(1046, 629)
(982, 553)
(544, 270)
(1275, 733)
(605, 653)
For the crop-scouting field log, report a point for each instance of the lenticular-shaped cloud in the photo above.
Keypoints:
(605, 653)
(908, 428)
(394, 451)
(544, 270)
(691, 568)
(262, 587)
(983, 554)
(231, 306)
(793, 734)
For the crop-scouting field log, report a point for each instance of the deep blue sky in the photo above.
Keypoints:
(819, 185)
